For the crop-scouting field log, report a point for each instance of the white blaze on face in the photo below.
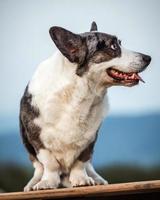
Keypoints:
(129, 61)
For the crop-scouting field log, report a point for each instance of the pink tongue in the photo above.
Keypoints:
(138, 77)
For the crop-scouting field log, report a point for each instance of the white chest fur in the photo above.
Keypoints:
(70, 113)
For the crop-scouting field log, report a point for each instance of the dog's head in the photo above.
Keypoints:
(100, 56)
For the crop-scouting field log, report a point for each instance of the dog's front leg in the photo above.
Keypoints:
(51, 177)
(96, 177)
(38, 173)
(78, 175)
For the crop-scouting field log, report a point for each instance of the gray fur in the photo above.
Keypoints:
(29, 131)
(93, 26)
(71, 45)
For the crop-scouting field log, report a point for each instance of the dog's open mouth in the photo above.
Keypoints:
(123, 76)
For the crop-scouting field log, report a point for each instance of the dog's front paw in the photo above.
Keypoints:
(45, 184)
(100, 181)
(27, 188)
(81, 181)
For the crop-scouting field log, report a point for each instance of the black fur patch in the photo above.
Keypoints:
(29, 131)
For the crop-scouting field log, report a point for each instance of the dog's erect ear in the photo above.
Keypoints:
(71, 45)
(94, 27)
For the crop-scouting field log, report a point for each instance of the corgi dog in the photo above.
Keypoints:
(63, 105)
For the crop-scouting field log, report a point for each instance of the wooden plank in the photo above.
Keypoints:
(123, 189)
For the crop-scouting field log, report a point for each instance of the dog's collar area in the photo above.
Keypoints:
(123, 76)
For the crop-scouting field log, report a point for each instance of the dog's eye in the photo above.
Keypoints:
(114, 46)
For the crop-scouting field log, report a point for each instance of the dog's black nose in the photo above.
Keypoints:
(146, 59)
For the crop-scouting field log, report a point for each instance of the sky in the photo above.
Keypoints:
(25, 42)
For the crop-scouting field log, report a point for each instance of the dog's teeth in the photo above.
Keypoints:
(139, 78)
(121, 75)
(125, 76)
